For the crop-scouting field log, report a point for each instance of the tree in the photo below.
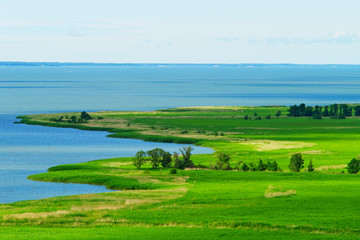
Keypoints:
(244, 167)
(223, 161)
(310, 168)
(278, 113)
(357, 110)
(84, 115)
(272, 166)
(177, 161)
(139, 159)
(354, 166)
(155, 156)
(261, 166)
(73, 119)
(268, 116)
(326, 113)
(296, 162)
(165, 159)
(246, 117)
(186, 153)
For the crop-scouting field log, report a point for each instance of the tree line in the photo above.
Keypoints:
(159, 156)
(335, 111)
(84, 117)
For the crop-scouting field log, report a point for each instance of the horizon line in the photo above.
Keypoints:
(54, 63)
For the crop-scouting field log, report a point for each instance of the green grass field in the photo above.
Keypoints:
(203, 204)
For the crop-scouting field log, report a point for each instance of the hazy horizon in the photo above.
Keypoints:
(159, 31)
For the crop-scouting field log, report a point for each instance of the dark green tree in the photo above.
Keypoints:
(310, 167)
(261, 166)
(278, 113)
(326, 113)
(155, 156)
(244, 167)
(84, 115)
(353, 166)
(357, 111)
(296, 162)
(165, 159)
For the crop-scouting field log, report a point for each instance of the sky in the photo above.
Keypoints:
(181, 31)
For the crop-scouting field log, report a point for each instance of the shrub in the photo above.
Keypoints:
(268, 116)
(296, 162)
(261, 166)
(223, 161)
(252, 167)
(244, 167)
(353, 166)
(272, 166)
(310, 168)
(173, 171)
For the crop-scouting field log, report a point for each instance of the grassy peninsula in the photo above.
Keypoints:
(204, 203)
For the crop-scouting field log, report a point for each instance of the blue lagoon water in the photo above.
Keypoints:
(26, 150)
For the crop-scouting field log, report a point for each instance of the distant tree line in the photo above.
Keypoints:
(335, 111)
(84, 117)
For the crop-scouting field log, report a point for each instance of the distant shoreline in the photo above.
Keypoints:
(94, 64)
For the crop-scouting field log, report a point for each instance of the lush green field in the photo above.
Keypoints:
(204, 204)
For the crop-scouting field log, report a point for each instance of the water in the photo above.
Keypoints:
(26, 150)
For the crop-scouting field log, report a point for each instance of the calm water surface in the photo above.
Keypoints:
(26, 150)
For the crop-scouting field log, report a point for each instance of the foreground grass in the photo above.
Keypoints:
(203, 204)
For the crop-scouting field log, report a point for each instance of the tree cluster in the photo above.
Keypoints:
(159, 156)
(336, 111)
(84, 117)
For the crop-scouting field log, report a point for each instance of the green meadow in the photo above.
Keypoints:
(202, 203)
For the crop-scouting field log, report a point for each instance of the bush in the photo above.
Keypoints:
(353, 166)
(272, 166)
(223, 161)
(173, 171)
(296, 162)
(244, 167)
(252, 167)
(310, 168)
(261, 166)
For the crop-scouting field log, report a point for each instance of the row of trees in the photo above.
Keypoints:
(337, 111)
(84, 117)
(159, 156)
(223, 163)
(257, 117)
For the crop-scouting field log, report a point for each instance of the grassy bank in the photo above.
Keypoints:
(204, 204)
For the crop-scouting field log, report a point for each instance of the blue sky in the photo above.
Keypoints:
(181, 31)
